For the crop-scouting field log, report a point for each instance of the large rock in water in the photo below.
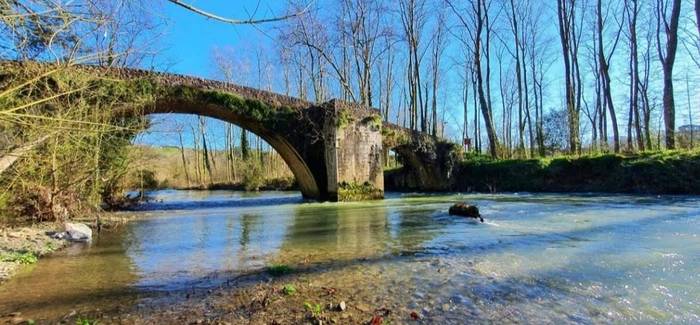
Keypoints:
(78, 232)
(465, 210)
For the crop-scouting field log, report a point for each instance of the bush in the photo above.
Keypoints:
(662, 172)
(253, 178)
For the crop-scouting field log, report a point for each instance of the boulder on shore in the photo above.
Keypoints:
(78, 232)
(465, 210)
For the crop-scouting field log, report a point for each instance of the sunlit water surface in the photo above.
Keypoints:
(545, 258)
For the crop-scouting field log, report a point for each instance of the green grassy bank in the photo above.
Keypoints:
(670, 172)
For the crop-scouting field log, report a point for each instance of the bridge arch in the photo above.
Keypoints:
(333, 149)
(308, 184)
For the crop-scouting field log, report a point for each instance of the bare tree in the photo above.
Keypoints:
(413, 20)
(475, 30)
(602, 58)
(566, 12)
(438, 48)
(669, 28)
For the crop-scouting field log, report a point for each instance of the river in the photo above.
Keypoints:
(538, 258)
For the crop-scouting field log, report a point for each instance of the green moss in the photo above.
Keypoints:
(252, 109)
(358, 192)
(344, 119)
(374, 121)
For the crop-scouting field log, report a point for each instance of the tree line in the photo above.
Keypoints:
(597, 72)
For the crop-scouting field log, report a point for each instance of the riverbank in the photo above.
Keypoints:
(670, 172)
(26, 244)
(274, 184)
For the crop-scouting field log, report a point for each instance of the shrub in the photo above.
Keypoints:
(253, 178)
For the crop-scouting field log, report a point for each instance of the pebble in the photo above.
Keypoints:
(363, 308)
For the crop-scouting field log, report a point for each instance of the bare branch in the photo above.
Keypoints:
(238, 21)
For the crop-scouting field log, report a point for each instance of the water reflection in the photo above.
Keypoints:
(77, 278)
(553, 258)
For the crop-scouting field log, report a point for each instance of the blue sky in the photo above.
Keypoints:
(190, 38)
(187, 46)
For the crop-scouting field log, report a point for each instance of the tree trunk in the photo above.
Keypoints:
(605, 76)
(667, 63)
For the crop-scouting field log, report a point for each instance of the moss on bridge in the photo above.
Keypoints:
(358, 192)
(253, 109)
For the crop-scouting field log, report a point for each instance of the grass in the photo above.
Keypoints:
(279, 269)
(85, 321)
(289, 289)
(313, 308)
(21, 258)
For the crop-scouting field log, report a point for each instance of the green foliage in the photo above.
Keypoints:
(313, 308)
(85, 321)
(50, 246)
(21, 258)
(393, 137)
(68, 175)
(672, 172)
(279, 269)
(289, 289)
(253, 177)
(358, 192)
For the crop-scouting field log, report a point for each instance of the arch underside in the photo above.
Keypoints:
(307, 181)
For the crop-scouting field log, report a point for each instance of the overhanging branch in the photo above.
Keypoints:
(237, 21)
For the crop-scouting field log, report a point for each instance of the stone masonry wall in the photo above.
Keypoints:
(354, 148)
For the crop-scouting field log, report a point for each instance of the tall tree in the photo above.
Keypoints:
(604, 67)
(668, 57)
(475, 31)
(413, 20)
(632, 10)
(566, 11)
(438, 47)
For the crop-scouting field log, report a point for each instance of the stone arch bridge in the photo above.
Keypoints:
(334, 149)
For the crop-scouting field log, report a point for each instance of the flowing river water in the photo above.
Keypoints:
(538, 258)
